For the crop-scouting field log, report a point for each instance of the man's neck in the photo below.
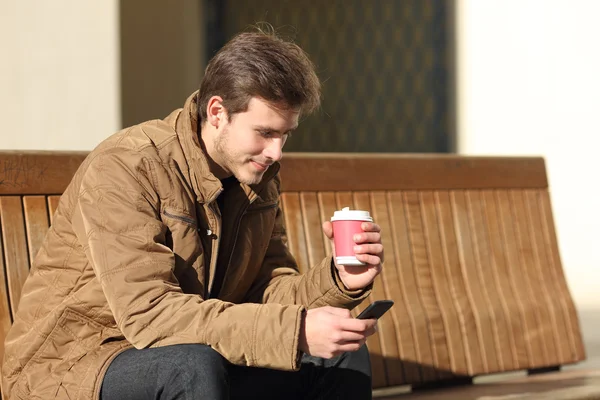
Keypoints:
(207, 144)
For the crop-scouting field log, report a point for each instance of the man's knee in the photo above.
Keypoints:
(171, 370)
(195, 361)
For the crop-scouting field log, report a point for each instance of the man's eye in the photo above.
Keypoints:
(266, 134)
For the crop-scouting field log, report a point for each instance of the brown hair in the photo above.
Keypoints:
(260, 64)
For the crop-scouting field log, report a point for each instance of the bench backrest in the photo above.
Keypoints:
(472, 261)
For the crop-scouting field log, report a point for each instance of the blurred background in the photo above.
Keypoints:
(493, 77)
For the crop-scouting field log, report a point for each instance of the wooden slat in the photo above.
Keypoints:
(373, 172)
(483, 311)
(410, 310)
(512, 266)
(15, 247)
(455, 271)
(388, 326)
(513, 312)
(538, 295)
(344, 199)
(5, 315)
(495, 305)
(394, 326)
(435, 342)
(433, 214)
(295, 229)
(576, 350)
(412, 288)
(37, 172)
(52, 206)
(374, 342)
(36, 221)
(447, 341)
(535, 314)
(49, 172)
(313, 232)
(544, 280)
(327, 207)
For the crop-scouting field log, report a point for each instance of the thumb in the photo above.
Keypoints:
(328, 229)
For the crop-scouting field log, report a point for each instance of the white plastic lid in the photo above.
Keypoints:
(346, 214)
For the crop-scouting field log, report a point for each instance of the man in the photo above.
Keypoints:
(165, 274)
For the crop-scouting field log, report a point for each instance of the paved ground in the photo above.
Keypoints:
(590, 328)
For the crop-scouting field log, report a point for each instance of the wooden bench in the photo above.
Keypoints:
(472, 260)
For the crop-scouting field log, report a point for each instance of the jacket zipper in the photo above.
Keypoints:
(179, 217)
(215, 252)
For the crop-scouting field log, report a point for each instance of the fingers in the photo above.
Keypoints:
(328, 229)
(370, 227)
(352, 341)
(347, 341)
(371, 248)
(343, 348)
(368, 248)
(347, 337)
(357, 325)
(346, 323)
(350, 346)
(369, 259)
(371, 331)
(367, 237)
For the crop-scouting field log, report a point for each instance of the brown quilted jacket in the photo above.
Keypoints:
(130, 259)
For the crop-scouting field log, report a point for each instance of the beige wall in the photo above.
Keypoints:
(529, 83)
(73, 72)
(59, 75)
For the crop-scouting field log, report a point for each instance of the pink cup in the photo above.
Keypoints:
(346, 223)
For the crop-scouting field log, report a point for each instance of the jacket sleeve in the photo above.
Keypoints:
(280, 282)
(117, 221)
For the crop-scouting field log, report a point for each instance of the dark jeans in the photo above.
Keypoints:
(194, 371)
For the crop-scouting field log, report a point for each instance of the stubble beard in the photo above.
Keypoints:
(229, 160)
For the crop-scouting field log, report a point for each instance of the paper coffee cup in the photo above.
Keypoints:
(347, 223)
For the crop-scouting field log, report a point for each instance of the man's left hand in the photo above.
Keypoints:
(368, 249)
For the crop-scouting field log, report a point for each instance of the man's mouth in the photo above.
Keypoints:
(261, 167)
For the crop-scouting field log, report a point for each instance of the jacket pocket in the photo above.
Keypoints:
(186, 219)
(73, 336)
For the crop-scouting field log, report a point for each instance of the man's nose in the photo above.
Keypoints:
(274, 150)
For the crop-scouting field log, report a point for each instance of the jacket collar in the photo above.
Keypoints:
(205, 184)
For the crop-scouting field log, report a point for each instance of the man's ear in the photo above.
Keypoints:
(216, 114)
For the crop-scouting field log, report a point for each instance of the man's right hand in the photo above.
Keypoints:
(327, 332)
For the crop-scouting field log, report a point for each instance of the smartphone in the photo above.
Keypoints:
(376, 309)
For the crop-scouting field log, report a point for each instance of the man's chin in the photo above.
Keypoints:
(249, 179)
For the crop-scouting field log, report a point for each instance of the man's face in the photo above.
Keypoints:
(253, 140)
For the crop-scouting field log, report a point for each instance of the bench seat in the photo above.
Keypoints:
(472, 258)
